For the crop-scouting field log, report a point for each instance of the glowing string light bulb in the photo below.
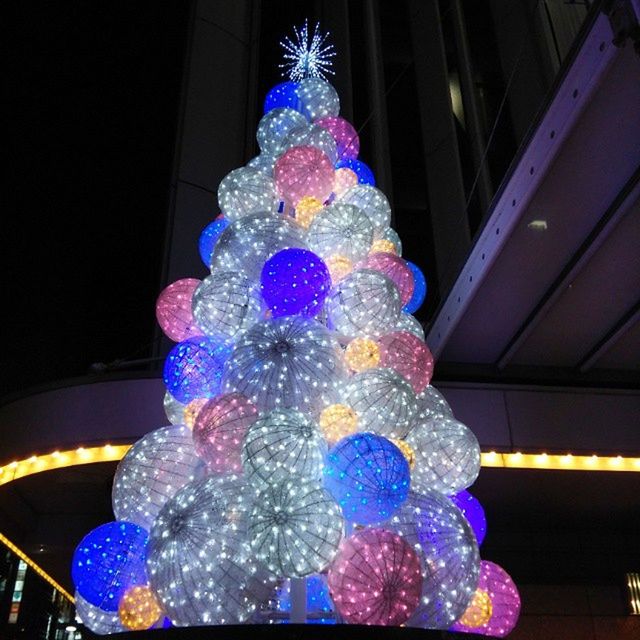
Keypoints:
(138, 608)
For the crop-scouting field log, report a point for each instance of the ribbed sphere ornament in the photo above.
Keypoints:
(391, 235)
(362, 354)
(374, 204)
(199, 561)
(346, 137)
(246, 191)
(219, 431)
(282, 442)
(478, 612)
(306, 210)
(362, 170)
(339, 267)
(274, 128)
(396, 269)
(419, 289)
(317, 98)
(409, 356)
(473, 511)
(193, 368)
(139, 608)
(303, 171)
(209, 237)
(245, 245)
(285, 362)
(226, 303)
(155, 468)
(109, 560)
(449, 556)
(364, 302)
(407, 322)
(282, 95)
(312, 135)
(431, 403)
(447, 455)
(263, 163)
(173, 409)
(341, 229)
(192, 410)
(343, 180)
(376, 578)
(295, 527)
(173, 310)
(101, 622)
(368, 476)
(337, 421)
(384, 401)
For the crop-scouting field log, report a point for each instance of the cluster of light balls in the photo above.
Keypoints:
(305, 438)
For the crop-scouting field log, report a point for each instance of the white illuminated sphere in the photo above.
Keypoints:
(282, 442)
(374, 204)
(341, 229)
(155, 468)
(364, 302)
(263, 163)
(245, 245)
(432, 404)
(447, 455)
(173, 409)
(407, 322)
(392, 236)
(285, 362)
(274, 127)
(312, 135)
(318, 98)
(447, 547)
(199, 561)
(246, 191)
(226, 303)
(101, 622)
(295, 527)
(384, 402)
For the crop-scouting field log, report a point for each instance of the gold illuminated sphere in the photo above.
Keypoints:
(338, 421)
(361, 354)
(479, 611)
(407, 451)
(383, 246)
(192, 410)
(138, 608)
(306, 210)
(339, 267)
(343, 180)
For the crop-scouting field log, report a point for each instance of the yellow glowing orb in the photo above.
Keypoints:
(407, 451)
(138, 608)
(361, 354)
(192, 410)
(344, 179)
(479, 611)
(383, 246)
(306, 210)
(339, 267)
(338, 421)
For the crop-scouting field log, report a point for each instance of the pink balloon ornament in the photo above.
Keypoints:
(375, 578)
(301, 172)
(219, 431)
(346, 137)
(173, 310)
(396, 269)
(409, 356)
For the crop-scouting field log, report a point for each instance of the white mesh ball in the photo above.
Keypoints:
(282, 442)
(384, 402)
(312, 135)
(447, 455)
(226, 303)
(245, 245)
(364, 302)
(155, 468)
(295, 527)
(101, 622)
(392, 236)
(285, 362)
(341, 229)
(274, 127)
(432, 404)
(318, 98)
(173, 409)
(373, 202)
(246, 191)
(407, 322)
(263, 163)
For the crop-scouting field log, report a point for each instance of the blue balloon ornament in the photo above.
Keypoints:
(362, 170)
(209, 237)
(193, 368)
(108, 561)
(283, 95)
(473, 512)
(419, 289)
(368, 476)
(295, 282)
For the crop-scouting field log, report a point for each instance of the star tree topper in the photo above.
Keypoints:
(307, 56)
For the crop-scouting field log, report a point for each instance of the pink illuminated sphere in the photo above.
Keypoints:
(396, 269)
(346, 137)
(302, 172)
(219, 431)
(375, 578)
(173, 310)
(505, 602)
(409, 356)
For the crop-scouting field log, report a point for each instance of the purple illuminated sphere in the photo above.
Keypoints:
(473, 512)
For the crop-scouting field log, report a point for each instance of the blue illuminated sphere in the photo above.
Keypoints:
(108, 561)
(318, 600)
(419, 289)
(209, 237)
(295, 282)
(282, 95)
(473, 512)
(368, 476)
(364, 173)
(193, 368)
